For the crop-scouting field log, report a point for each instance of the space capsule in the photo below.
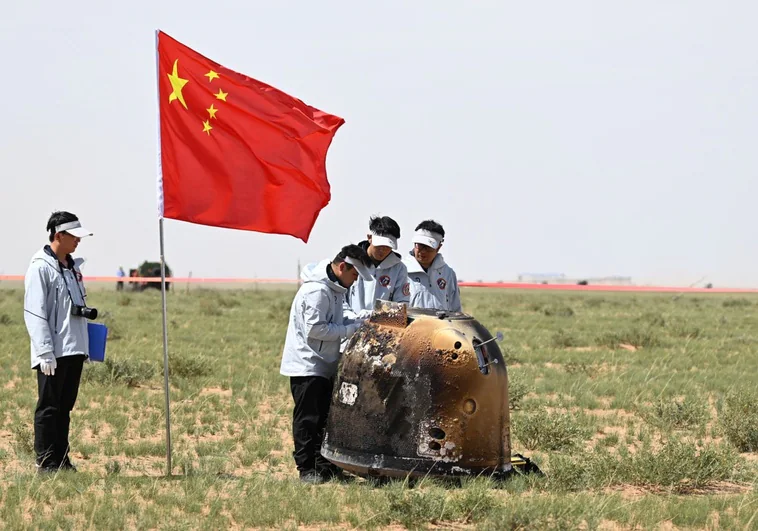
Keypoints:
(421, 392)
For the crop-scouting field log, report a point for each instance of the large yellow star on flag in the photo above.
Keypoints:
(177, 84)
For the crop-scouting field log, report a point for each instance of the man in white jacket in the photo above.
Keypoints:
(55, 313)
(433, 283)
(311, 353)
(390, 279)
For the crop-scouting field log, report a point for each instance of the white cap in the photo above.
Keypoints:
(74, 228)
(428, 238)
(383, 241)
(366, 273)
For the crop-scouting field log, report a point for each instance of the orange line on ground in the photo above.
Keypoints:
(499, 285)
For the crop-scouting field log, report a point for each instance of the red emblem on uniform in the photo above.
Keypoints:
(384, 280)
(407, 289)
(441, 282)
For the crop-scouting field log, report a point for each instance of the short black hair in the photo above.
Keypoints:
(384, 226)
(59, 218)
(355, 252)
(431, 226)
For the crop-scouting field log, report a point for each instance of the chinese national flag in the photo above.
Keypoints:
(236, 152)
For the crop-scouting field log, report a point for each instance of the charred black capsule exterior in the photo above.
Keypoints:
(420, 392)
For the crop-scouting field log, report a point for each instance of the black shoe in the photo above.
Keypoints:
(311, 477)
(44, 470)
(68, 465)
(334, 472)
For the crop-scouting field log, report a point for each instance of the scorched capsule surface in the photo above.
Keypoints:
(420, 392)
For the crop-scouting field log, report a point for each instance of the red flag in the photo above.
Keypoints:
(236, 152)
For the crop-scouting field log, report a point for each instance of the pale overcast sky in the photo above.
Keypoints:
(585, 138)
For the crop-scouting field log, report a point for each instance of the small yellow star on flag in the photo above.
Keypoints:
(212, 111)
(211, 76)
(221, 95)
(207, 127)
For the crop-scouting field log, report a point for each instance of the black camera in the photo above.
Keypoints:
(84, 311)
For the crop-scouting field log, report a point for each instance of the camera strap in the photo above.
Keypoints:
(76, 280)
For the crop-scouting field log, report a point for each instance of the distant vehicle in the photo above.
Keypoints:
(148, 269)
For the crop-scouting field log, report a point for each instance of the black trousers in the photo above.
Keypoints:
(313, 396)
(56, 398)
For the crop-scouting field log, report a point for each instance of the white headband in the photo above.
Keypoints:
(378, 240)
(430, 234)
(67, 226)
(428, 238)
(74, 228)
(366, 272)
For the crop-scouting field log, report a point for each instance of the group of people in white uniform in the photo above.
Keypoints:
(337, 295)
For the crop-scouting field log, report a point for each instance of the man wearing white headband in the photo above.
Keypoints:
(433, 283)
(316, 328)
(390, 279)
(54, 297)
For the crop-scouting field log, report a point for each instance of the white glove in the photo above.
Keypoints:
(352, 328)
(48, 364)
(364, 314)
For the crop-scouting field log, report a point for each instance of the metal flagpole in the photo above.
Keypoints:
(165, 353)
(163, 263)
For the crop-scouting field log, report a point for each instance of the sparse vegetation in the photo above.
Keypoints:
(23, 439)
(679, 466)
(125, 371)
(185, 366)
(517, 389)
(737, 303)
(648, 394)
(671, 413)
(636, 337)
(546, 430)
(556, 310)
(738, 418)
(563, 339)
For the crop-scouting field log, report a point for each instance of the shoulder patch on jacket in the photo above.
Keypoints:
(407, 289)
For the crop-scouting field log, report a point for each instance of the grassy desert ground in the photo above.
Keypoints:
(642, 409)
